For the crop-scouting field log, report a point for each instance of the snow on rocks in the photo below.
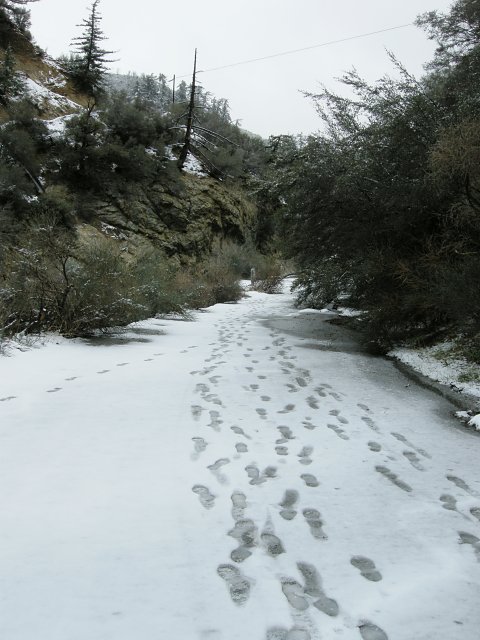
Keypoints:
(475, 422)
(56, 127)
(46, 99)
(194, 166)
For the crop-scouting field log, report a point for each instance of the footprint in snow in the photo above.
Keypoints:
(238, 585)
(296, 633)
(196, 411)
(289, 500)
(366, 567)
(370, 631)
(449, 502)
(7, 398)
(206, 498)
(313, 588)
(469, 538)
(363, 406)
(240, 432)
(402, 438)
(54, 390)
(340, 432)
(313, 518)
(294, 594)
(385, 471)
(103, 371)
(286, 433)
(341, 419)
(461, 484)
(215, 421)
(368, 421)
(273, 544)
(287, 409)
(336, 396)
(253, 473)
(305, 454)
(475, 511)
(215, 469)
(199, 445)
(309, 479)
(246, 533)
(414, 461)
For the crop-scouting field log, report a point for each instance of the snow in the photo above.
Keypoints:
(475, 422)
(130, 466)
(169, 154)
(194, 166)
(56, 126)
(41, 95)
(450, 371)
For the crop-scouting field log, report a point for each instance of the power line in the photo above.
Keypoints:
(292, 51)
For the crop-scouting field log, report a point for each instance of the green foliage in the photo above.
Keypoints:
(133, 123)
(381, 210)
(89, 64)
(10, 83)
(14, 15)
(52, 281)
(106, 155)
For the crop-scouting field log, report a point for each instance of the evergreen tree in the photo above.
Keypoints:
(182, 92)
(89, 66)
(147, 90)
(15, 11)
(10, 84)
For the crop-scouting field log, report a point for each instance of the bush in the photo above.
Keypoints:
(220, 281)
(55, 283)
(269, 274)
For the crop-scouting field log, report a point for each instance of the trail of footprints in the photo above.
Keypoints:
(250, 538)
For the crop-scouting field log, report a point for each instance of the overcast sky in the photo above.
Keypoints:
(160, 37)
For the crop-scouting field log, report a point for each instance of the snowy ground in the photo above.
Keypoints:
(232, 478)
(447, 370)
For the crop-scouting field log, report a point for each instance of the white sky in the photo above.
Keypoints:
(160, 37)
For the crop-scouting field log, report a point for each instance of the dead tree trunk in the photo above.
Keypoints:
(191, 112)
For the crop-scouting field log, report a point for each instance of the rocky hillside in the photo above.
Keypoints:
(46, 84)
(183, 216)
(183, 220)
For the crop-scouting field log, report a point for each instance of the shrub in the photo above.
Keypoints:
(219, 279)
(54, 282)
(269, 274)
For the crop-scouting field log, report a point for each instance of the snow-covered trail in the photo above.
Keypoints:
(225, 479)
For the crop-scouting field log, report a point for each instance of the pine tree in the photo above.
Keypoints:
(15, 11)
(10, 84)
(90, 62)
(147, 90)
